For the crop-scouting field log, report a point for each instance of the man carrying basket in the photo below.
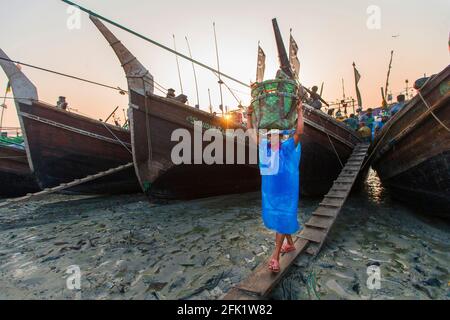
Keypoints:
(279, 154)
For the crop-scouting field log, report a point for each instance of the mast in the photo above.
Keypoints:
(210, 103)
(383, 97)
(139, 78)
(178, 64)
(218, 71)
(23, 89)
(407, 89)
(282, 54)
(3, 106)
(386, 88)
(195, 73)
(343, 89)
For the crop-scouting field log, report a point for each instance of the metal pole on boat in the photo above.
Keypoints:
(109, 117)
(210, 104)
(321, 89)
(384, 97)
(218, 71)
(407, 89)
(343, 89)
(3, 106)
(195, 73)
(388, 75)
(178, 64)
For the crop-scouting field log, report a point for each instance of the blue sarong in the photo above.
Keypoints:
(280, 186)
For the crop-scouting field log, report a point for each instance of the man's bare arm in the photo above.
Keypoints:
(250, 124)
(300, 124)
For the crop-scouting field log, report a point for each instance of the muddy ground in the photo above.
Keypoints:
(129, 249)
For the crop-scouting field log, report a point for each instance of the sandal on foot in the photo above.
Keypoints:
(274, 266)
(286, 248)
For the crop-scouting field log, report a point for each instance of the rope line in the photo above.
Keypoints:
(390, 124)
(112, 133)
(65, 75)
(13, 157)
(331, 142)
(151, 41)
(229, 89)
(429, 108)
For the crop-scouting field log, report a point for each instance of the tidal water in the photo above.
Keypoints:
(128, 249)
(409, 251)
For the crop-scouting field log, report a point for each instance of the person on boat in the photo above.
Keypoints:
(315, 98)
(380, 124)
(365, 132)
(368, 118)
(171, 94)
(62, 103)
(399, 105)
(280, 189)
(352, 122)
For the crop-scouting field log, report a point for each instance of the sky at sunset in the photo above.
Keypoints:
(331, 35)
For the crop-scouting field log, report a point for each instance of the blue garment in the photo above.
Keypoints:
(280, 186)
(397, 107)
(352, 123)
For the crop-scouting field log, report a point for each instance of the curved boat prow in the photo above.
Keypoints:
(24, 90)
(140, 84)
(134, 70)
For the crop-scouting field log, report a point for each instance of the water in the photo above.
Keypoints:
(410, 250)
(127, 249)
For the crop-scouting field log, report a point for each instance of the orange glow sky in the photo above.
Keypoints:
(331, 35)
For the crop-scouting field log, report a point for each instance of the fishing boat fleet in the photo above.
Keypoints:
(411, 154)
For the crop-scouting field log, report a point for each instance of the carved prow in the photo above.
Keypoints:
(134, 70)
(23, 89)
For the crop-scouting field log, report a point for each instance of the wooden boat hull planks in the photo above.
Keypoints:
(159, 177)
(325, 145)
(15, 174)
(64, 146)
(412, 153)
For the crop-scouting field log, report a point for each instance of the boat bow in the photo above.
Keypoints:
(139, 78)
(23, 89)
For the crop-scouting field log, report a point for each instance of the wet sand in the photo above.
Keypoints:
(128, 249)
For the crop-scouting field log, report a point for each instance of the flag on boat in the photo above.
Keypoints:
(8, 87)
(261, 68)
(293, 57)
(357, 78)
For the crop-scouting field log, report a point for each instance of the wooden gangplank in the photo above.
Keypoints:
(261, 282)
(68, 185)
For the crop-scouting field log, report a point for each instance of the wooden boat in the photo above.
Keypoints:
(326, 142)
(411, 154)
(153, 119)
(62, 146)
(15, 174)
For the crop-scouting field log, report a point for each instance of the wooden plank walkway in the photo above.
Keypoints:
(68, 185)
(261, 282)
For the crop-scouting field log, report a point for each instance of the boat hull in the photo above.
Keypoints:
(64, 147)
(411, 155)
(160, 178)
(15, 174)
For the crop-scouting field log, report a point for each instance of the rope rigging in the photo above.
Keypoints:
(118, 25)
(66, 75)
